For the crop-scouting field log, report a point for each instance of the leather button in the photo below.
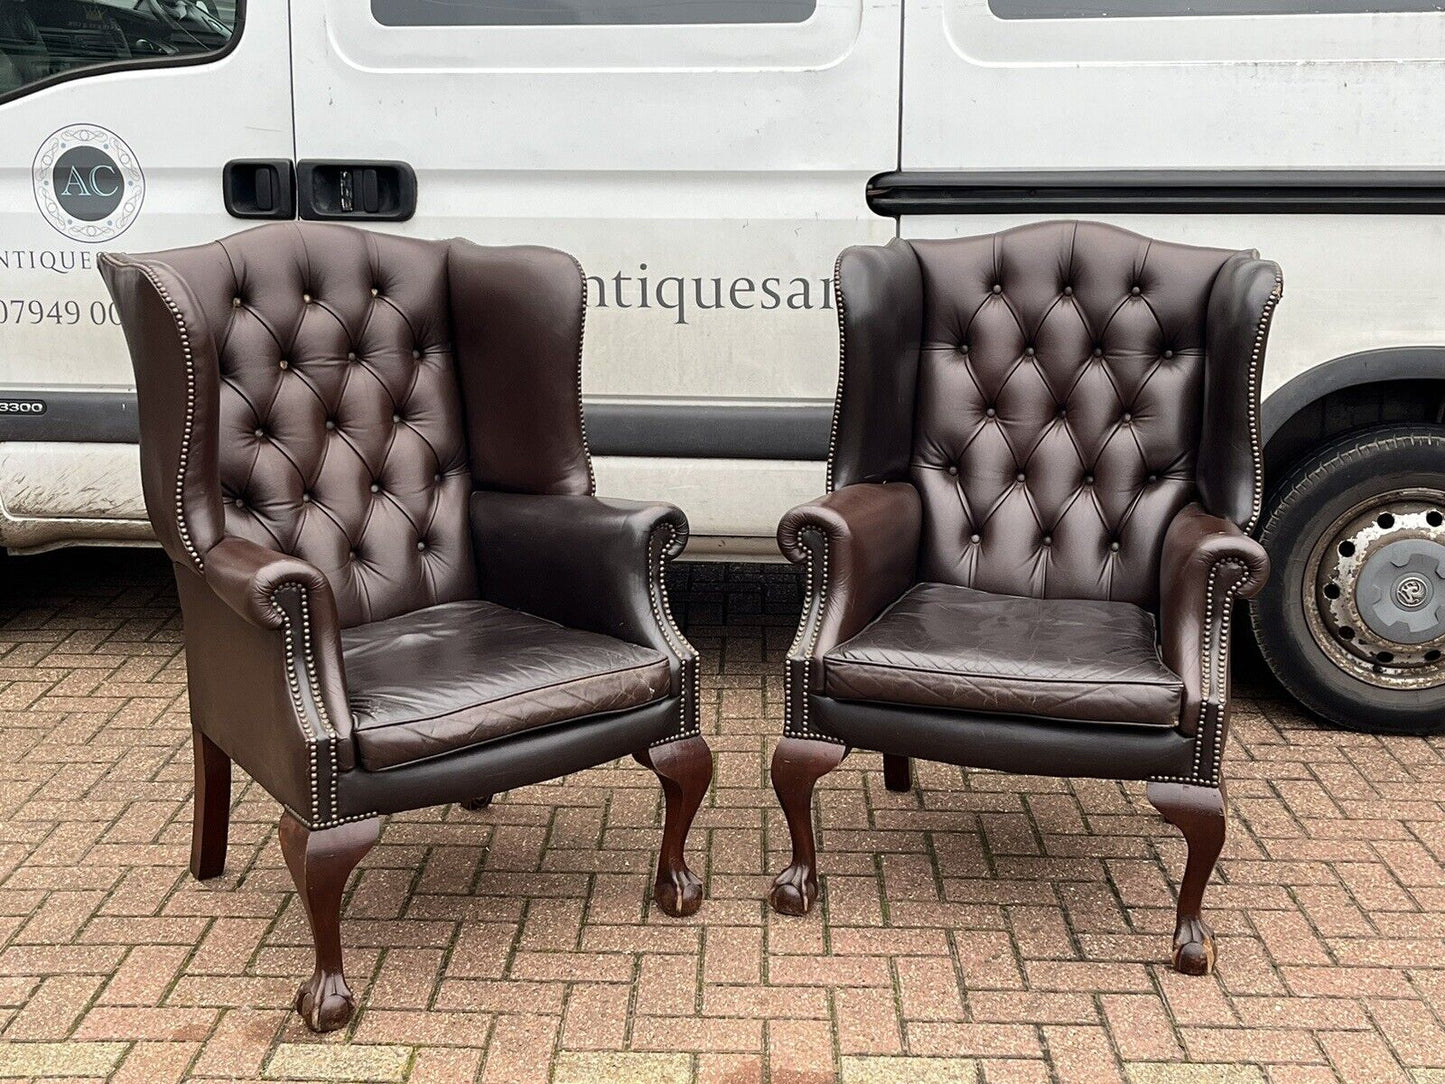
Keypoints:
(306, 498)
(421, 545)
(352, 554)
(376, 291)
(260, 432)
(1098, 351)
(306, 298)
(1068, 291)
(1019, 477)
(974, 539)
(1088, 479)
(1153, 477)
(396, 419)
(436, 477)
(990, 412)
(416, 355)
(1028, 351)
(235, 302)
(1135, 291)
(1128, 417)
(1114, 547)
(284, 363)
(240, 503)
(351, 355)
(1063, 412)
(952, 469)
(376, 487)
(997, 288)
(963, 348)
(330, 423)
(1048, 540)
(1168, 355)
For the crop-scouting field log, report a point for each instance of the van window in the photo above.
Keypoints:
(587, 12)
(46, 41)
(1099, 9)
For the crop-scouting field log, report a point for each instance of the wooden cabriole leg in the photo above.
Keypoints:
(1198, 812)
(897, 774)
(685, 769)
(320, 863)
(798, 764)
(211, 819)
(477, 804)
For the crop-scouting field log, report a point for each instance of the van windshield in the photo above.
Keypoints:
(42, 40)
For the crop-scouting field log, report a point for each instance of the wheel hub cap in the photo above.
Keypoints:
(1401, 591)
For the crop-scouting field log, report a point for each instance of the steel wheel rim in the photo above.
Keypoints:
(1374, 590)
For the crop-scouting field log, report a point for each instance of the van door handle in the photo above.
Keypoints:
(259, 188)
(380, 191)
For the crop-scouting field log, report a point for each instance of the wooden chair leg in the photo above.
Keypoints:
(798, 764)
(320, 863)
(1198, 812)
(897, 774)
(477, 804)
(685, 770)
(211, 818)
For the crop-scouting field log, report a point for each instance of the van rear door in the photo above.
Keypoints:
(705, 160)
(116, 120)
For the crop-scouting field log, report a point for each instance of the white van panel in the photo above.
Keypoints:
(723, 498)
(52, 492)
(724, 164)
(182, 123)
(1351, 282)
(1288, 91)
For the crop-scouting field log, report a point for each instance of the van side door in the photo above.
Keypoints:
(704, 159)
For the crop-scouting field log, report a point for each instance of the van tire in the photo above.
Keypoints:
(1366, 474)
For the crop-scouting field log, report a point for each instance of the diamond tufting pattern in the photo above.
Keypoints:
(1058, 410)
(341, 434)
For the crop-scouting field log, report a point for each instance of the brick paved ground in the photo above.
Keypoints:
(982, 928)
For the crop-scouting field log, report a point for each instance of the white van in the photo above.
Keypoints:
(707, 160)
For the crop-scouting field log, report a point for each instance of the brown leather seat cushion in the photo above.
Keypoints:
(446, 677)
(1078, 660)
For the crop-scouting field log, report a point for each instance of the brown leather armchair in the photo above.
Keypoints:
(1044, 469)
(365, 456)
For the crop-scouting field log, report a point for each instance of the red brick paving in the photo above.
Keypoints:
(981, 928)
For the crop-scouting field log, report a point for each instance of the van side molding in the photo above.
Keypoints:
(1168, 191)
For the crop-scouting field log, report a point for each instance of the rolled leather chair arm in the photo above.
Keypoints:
(1208, 562)
(860, 544)
(593, 563)
(269, 633)
(247, 576)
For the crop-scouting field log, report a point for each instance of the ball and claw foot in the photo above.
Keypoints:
(1193, 948)
(325, 1002)
(678, 892)
(476, 805)
(794, 891)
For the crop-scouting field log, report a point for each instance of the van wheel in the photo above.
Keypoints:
(1352, 621)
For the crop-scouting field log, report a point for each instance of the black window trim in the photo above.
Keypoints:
(109, 68)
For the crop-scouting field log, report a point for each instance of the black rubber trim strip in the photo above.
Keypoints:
(1171, 191)
(710, 430)
(673, 431)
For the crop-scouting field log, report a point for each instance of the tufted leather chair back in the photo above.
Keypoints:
(1056, 393)
(322, 413)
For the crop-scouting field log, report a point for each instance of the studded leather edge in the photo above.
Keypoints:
(840, 304)
(1255, 375)
(690, 702)
(310, 707)
(1214, 671)
(798, 672)
(581, 338)
(184, 453)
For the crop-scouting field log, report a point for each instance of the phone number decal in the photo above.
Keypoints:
(22, 310)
